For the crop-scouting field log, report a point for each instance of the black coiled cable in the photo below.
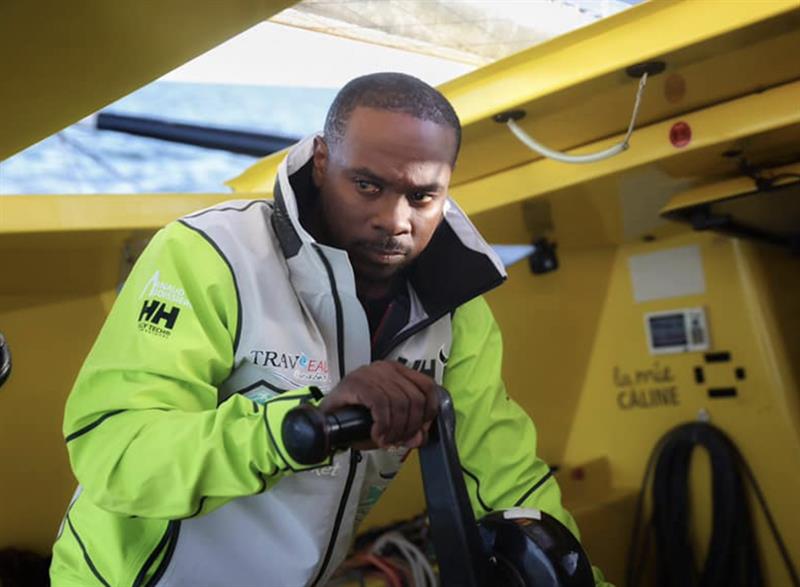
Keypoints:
(732, 558)
(5, 360)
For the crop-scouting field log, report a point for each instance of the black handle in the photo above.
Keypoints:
(463, 561)
(310, 435)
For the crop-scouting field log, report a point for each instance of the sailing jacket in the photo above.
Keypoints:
(231, 317)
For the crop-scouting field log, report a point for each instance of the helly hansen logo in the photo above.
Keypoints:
(155, 311)
(156, 317)
(425, 366)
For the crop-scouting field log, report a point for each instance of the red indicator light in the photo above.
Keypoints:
(680, 135)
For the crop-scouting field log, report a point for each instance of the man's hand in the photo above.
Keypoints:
(402, 401)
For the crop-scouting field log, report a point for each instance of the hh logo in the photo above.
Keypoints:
(425, 366)
(156, 317)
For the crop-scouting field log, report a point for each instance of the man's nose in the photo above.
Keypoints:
(393, 215)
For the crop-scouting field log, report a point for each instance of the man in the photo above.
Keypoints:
(359, 284)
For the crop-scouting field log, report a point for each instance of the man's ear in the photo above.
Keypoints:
(320, 161)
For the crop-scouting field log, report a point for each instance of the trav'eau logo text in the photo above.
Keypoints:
(160, 307)
(296, 365)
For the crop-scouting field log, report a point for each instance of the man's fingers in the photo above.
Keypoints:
(416, 441)
(406, 411)
(381, 410)
(421, 437)
(400, 400)
(416, 406)
(334, 401)
(431, 405)
(426, 386)
(419, 379)
(405, 414)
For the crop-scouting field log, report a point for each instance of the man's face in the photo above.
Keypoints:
(383, 188)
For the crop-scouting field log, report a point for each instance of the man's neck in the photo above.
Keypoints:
(368, 291)
(314, 223)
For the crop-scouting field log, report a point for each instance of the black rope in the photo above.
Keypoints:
(732, 558)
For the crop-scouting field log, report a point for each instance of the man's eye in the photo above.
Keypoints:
(367, 186)
(420, 197)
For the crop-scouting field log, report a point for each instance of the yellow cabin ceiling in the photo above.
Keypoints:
(78, 58)
(576, 93)
(64, 60)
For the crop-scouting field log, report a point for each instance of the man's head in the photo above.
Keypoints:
(382, 169)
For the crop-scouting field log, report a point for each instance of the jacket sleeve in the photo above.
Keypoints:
(496, 439)
(144, 432)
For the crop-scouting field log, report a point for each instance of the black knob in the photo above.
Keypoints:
(310, 435)
(304, 435)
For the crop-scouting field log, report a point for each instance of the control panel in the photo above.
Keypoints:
(677, 331)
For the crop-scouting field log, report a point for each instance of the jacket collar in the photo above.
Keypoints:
(456, 266)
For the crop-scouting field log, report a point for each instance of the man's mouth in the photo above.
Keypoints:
(384, 254)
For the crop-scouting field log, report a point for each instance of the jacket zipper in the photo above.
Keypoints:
(405, 335)
(140, 577)
(337, 304)
(409, 332)
(168, 542)
(355, 458)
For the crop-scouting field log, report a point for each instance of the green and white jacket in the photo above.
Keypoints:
(231, 317)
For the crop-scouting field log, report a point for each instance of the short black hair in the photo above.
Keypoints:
(396, 92)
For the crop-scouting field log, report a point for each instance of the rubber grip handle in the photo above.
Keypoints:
(310, 435)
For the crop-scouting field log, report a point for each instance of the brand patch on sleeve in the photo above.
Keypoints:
(161, 306)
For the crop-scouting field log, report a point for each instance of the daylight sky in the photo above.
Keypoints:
(259, 57)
